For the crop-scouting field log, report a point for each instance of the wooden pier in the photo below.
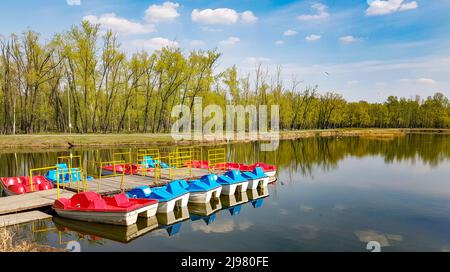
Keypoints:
(21, 218)
(31, 201)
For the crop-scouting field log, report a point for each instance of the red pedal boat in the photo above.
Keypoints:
(270, 170)
(120, 168)
(22, 185)
(116, 210)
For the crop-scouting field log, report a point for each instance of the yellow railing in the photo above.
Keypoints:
(44, 169)
(70, 160)
(180, 162)
(216, 156)
(35, 229)
(114, 172)
(124, 154)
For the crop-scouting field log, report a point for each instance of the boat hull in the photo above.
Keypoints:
(255, 183)
(231, 189)
(204, 197)
(114, 218)
(271, 173)
(169, 206)
(7, 192)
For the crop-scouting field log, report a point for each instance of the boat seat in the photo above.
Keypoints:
(12, 181)
(119, 200)
(88, 200)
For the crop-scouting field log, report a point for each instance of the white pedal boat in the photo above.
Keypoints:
(169, 197)
(203, 190)
(256, 178)
(233, 182)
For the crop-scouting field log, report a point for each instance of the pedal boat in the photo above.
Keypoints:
(203, 190)
(233, 182)
(115, 210)
(22, 185)
(270, 170)
(198, 164)
(64, 175)
(256, 178)
(170, 196)
(127, 169)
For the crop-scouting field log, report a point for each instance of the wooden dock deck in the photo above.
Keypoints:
(21, 218)
(26, 202)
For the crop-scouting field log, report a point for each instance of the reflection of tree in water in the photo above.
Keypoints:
(297, 155)
(325, 152)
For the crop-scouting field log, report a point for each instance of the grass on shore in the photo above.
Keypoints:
(39, 141)
(7, 244)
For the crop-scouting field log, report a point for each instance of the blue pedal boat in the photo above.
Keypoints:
(233, 182)
(149, 162)
(256, 178)
(66, 175)
(170, 196)
(204, 189)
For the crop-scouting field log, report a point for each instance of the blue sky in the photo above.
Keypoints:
(363, 49)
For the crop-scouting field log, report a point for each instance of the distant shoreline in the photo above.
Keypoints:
(66, 141)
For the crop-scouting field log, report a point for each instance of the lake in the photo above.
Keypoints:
(332, 194)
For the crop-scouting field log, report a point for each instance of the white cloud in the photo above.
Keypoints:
(253, 60)
(290, 32)
(348, 39)
(279, 42)
(383, 7)
(422, 80)
(110, 21)
(321, 13)
(196, 43)
(409, 6)
(248, 17)
(427, 81)
(154, 43)
(312, 37)
(73, 2)
(222, 16)
(166, 12)
(210, 29)
(230, 41)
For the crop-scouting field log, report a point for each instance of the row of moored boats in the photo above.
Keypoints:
(144, 201)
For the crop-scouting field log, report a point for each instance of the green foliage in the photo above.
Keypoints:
(82, 81)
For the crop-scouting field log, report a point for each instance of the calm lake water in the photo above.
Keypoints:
(333, 194)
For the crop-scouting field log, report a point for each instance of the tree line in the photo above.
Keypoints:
(82, 81)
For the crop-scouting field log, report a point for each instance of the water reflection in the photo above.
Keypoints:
(171, 222)
(233, 203)
(206, 212)
(123, 234)
(333, 194)
(257, 196)
(295, 156)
